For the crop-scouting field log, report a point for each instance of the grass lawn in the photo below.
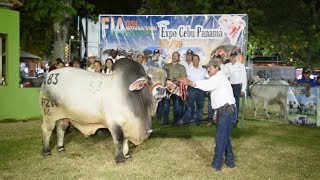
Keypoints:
(263, 149)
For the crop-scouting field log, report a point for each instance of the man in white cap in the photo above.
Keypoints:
(225, 111)
(187, 63)
(155, 60)
(225, 69)
(238, 78)
(195, 100)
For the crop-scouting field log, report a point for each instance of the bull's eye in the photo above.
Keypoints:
(158, 88)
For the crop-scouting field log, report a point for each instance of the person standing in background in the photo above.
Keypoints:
(142, 60)
(156, 60)
(91, 59)
(98, 67)
(108, 66)
(188, 61)
(175, 71)
(238, 79)
(195, 101)
(75, 63)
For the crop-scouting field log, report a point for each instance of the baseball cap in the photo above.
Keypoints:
(211, 63)
(156, 51)
(306, 71)
(92, 55)
(190, 52)
(233, 53)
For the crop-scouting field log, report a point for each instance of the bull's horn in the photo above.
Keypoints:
(150, 75)
(149, 131)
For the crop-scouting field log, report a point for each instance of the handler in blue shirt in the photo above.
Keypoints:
(316, 82)
(305, 80)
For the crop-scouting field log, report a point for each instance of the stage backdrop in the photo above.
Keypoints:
(204, 34)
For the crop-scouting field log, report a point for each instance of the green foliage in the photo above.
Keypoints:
(38, 17)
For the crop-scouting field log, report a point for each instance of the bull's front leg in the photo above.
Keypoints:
(118, 139)
(126, 149)
(255, 107)
(282, 104)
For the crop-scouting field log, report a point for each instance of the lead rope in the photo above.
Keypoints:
(182, 91)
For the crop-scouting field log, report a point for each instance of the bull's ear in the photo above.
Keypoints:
(137, 84)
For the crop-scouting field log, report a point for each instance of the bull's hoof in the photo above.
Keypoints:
(127, 156)
(61, 149)
(119, 160)
(46, 152)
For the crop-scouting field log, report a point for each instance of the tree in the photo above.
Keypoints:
(54, 17)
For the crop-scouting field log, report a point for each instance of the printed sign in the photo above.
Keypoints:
(204, 34)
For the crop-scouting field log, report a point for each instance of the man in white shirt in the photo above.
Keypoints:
(225, 112)
(195, 101)
(238, 78)
(187, 63)
(225, 69)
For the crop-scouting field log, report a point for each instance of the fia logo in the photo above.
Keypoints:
(112, 24)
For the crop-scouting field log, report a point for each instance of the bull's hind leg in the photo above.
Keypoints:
(255, 107)
(118, 139)
(266, 107)
(126, 149)
(282, 107)
(47, 127)
(60, 135)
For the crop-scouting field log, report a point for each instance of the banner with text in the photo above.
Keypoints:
(204, 34)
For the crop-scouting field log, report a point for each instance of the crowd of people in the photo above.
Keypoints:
(191, 111)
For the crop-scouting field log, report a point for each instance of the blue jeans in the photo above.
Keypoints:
(161, 117)
(194, 105)
(164, 109)
(236, 93)
(223, 147)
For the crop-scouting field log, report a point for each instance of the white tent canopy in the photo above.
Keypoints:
(26, 55)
